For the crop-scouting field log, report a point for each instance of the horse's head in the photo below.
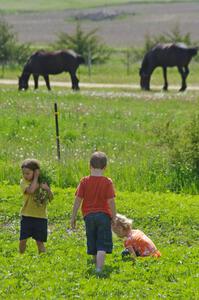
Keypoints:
(144, 80)
(23, 83)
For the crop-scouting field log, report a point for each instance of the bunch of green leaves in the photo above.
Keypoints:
(41, 196)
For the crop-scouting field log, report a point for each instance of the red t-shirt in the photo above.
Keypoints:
(95, 192)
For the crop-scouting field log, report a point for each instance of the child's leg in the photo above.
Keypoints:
(22, 246)
(41, 247)
(100, 260)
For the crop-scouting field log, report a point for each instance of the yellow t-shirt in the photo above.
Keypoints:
(31, 206)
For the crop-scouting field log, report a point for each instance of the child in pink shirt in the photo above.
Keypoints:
(136, 242)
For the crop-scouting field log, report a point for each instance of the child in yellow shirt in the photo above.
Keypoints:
(34, 211)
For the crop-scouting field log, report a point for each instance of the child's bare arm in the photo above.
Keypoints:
(132, 252)
(76, 206)
(112, 206)
(34, 184)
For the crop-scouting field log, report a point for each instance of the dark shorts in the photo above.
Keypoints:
(98, 233)
(33, 227)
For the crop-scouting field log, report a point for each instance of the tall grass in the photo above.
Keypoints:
(125, 127)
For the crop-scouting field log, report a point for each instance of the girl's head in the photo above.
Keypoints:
(122, 225)
(28, 167)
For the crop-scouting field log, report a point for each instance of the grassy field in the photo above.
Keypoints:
(66, 272)
(115, 71)
(130, 127)
(39, 5)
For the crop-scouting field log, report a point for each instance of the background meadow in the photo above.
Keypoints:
(142, 133)
(66, 272)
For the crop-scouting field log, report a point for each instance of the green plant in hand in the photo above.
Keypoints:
(41, 196)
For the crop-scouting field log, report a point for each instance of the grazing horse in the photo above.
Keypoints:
(44, 63)
(166, 55)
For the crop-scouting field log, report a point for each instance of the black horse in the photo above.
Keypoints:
(44, 63)
(166, 55)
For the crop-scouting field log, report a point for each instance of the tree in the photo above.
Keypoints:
(86, 44)
(7, 41)
(10, 50)
(175, 36)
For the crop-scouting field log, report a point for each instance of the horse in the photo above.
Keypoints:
(166, 55)
(44, 63)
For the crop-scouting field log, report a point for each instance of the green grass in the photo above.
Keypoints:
(40, 5)
(128, 127)
(66, 272)
(115, 71)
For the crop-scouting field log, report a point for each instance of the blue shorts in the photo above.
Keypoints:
(98, 233)
(33, 227)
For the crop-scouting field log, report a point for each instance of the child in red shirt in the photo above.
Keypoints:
(95, 194)
(136, 242)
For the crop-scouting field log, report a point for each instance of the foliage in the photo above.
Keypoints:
(175, 36)
(127, 126)
(66, 271)
(44, 177)
(184, 153)
(7, 42)
(10, 50)
(86, 44)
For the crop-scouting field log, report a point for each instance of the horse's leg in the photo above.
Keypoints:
(186, 73)
(46, 78)
(75, 81)
(183, 75)
(165, 87)
(36, 79)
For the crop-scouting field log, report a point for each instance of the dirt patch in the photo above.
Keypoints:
(119, 26)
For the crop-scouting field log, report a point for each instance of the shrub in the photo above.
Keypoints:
(175, 36)
(10, 50)
(183, 155)
(86, 44)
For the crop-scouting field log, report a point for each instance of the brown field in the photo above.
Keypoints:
(118, 26)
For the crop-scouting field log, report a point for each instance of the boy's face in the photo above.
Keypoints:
(28, 174)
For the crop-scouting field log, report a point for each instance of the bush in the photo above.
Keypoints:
(183, 155)
(86, 44)
(175, 36)
(10, 50)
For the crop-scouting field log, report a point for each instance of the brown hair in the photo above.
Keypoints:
(31, 164)
(98, 160)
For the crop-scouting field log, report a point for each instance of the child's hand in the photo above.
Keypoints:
(73, 223)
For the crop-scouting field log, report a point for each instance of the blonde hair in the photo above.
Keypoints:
(123, 221)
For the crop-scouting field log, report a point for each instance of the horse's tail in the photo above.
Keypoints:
(80, 59)
(193, 51)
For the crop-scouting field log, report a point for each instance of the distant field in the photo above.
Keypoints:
(129, 128)
(39, 5)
